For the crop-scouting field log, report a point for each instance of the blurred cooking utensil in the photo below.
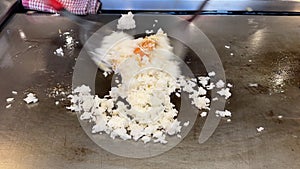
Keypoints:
(199, 11)
(87, 28)
(60, 8)
(212, 120)
(180, 49)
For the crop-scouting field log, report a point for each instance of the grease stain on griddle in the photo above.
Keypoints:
(260, 89)
(270, 115)
(77, 153)
(281, 69)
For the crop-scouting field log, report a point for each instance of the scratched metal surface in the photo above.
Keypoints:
(265, 51)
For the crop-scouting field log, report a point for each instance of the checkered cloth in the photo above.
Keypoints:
(79, 7)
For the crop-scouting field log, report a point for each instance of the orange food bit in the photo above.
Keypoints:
(139, 52)
(146, 45)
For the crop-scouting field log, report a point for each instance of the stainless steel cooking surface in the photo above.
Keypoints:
(265, 50)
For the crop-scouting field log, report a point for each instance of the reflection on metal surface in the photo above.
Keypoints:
(5, 57)
(257, 39)
(284, 69)
(278, 80)
(69, 42)
(22, 34)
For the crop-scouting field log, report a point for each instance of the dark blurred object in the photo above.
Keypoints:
(199, 11)
(7, 7)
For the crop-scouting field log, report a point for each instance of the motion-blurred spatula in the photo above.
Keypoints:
(179, 49)
(87, 26)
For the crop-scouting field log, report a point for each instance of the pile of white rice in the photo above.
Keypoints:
(140, 107)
